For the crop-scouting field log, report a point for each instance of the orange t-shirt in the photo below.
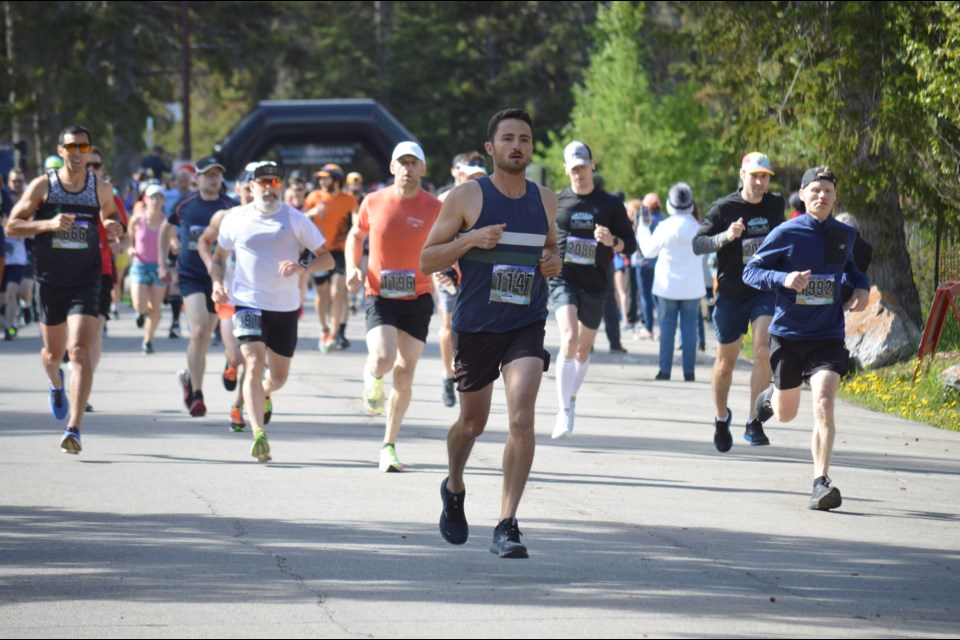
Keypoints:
(336, 219)
(397, 230)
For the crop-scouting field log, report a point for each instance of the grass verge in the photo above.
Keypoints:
(892, 390)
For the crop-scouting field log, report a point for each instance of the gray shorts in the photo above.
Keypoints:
(589, 306)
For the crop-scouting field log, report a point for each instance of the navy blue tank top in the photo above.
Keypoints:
(502, 289)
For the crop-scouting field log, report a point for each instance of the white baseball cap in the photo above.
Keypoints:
(577, 154)
(408, 148)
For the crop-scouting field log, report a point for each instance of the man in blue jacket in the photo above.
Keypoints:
(805, 261)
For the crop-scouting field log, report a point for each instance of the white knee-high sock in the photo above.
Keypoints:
(581, 373)
(566, 375)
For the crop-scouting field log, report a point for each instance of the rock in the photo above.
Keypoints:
(882, 334)
(951, 377)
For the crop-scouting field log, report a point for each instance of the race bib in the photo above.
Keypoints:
(511, 284)
(248, 323)
(750, 246)
(398, 284)
(73, 238)
(819, 291)
(195, 233)
(581, 251)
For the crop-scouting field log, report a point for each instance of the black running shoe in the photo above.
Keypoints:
(662, 375)
(453, 521)
(342, 343)
(755, 435)
(506, 540)
(722, 439)
(764, 405)
(447, 395)
(229, 376)
(824, 496)
(140, 320)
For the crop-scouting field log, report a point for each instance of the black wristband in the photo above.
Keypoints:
(306, 258)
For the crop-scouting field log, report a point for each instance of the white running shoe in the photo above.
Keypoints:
(564, 425)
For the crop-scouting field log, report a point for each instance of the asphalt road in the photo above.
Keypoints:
(166, 527)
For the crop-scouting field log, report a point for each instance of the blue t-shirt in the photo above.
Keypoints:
(192, 217)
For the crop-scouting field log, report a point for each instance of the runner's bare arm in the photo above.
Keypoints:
(21, 223)
(353, 251)
(209, 238)
(460, 211)
(109, 214)
(167, 231)
(550, 262)
(217, 269)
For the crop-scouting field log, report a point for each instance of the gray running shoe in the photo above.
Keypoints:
(824, 496)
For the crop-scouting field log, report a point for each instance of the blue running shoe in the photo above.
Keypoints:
(59, 404)
(70, 442)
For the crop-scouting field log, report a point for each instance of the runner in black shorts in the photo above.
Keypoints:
(266, 289)
(503, 232)
(62, 209)
(592, 225)
(396, 220)
(190, 218)
(805, 261)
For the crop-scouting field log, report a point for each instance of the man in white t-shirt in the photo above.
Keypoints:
(268, 238)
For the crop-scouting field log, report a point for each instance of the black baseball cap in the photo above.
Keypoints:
(269, 170)
(207, 163)
(818, 173)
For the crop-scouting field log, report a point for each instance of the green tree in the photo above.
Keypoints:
(642, 140)
(823, 83)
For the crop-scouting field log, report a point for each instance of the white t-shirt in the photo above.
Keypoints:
(261, 242)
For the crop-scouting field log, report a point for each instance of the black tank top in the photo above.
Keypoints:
(71, 257)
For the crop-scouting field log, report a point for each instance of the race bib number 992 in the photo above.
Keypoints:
(819, 291)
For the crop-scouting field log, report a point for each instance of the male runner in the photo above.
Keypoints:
(806, 261)
(466, 166)
(108, 270)
(225, 310)
(734, 227)
(591, 226)
(62, 209)
(502, 230)
(268, 237)
(397, 220)
(189, 220)
(332, 210)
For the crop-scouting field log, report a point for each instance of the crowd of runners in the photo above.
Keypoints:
(494, 253)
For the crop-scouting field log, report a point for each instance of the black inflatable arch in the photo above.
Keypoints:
(296, 122)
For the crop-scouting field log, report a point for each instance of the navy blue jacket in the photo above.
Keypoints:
(826, 249)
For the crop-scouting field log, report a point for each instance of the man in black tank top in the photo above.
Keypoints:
(516, 350)
(61, 209)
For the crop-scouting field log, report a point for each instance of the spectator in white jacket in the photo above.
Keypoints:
(677, 280)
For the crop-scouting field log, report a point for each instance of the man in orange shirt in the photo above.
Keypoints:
(331, 209)
(397, 220)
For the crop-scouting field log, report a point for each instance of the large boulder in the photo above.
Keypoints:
(882, 334)
(951, 377)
